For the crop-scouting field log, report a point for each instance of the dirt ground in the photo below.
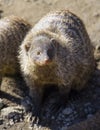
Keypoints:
(32, 11)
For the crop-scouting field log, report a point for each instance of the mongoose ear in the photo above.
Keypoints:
(98, 48)
(27, 47)
(54, 42)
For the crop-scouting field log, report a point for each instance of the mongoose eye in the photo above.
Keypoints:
(27, 48)
(98, 47)
(38, 53)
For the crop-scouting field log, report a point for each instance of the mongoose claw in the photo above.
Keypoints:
(33, 113)
(33, 119)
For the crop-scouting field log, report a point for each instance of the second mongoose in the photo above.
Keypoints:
(12, 32)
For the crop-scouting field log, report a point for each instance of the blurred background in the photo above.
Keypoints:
(33, 10)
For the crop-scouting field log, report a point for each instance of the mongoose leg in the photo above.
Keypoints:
(36, 95)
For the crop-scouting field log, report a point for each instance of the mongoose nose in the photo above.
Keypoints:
(43, 62)
(47, 61)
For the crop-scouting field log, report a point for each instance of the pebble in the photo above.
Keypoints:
(87, 104)
(89, 116)
(52, 117)
(68, 120)
(64, 128)
(67, 111)
(11, 122)
(4, 128)
(97, 15)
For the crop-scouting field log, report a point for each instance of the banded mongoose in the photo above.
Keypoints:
(56, 51)
(12, 32)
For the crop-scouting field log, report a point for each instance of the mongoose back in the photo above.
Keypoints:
(57, 51)
(12, 32)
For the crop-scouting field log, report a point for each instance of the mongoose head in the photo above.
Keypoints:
(41, 51)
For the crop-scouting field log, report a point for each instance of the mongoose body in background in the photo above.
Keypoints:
(12, 32)
(57, 51)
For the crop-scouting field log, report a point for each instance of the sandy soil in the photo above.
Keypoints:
(33, 10)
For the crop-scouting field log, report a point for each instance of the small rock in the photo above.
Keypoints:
(87, 104)
(15, 116)
(89, 116)
(68, 120)
(67, 111)
(4, 128)
(52, 117)
(64, 128)
(97, 15)
(11, 122)
(12, 113)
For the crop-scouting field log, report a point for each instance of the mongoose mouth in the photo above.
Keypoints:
(43, 63)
